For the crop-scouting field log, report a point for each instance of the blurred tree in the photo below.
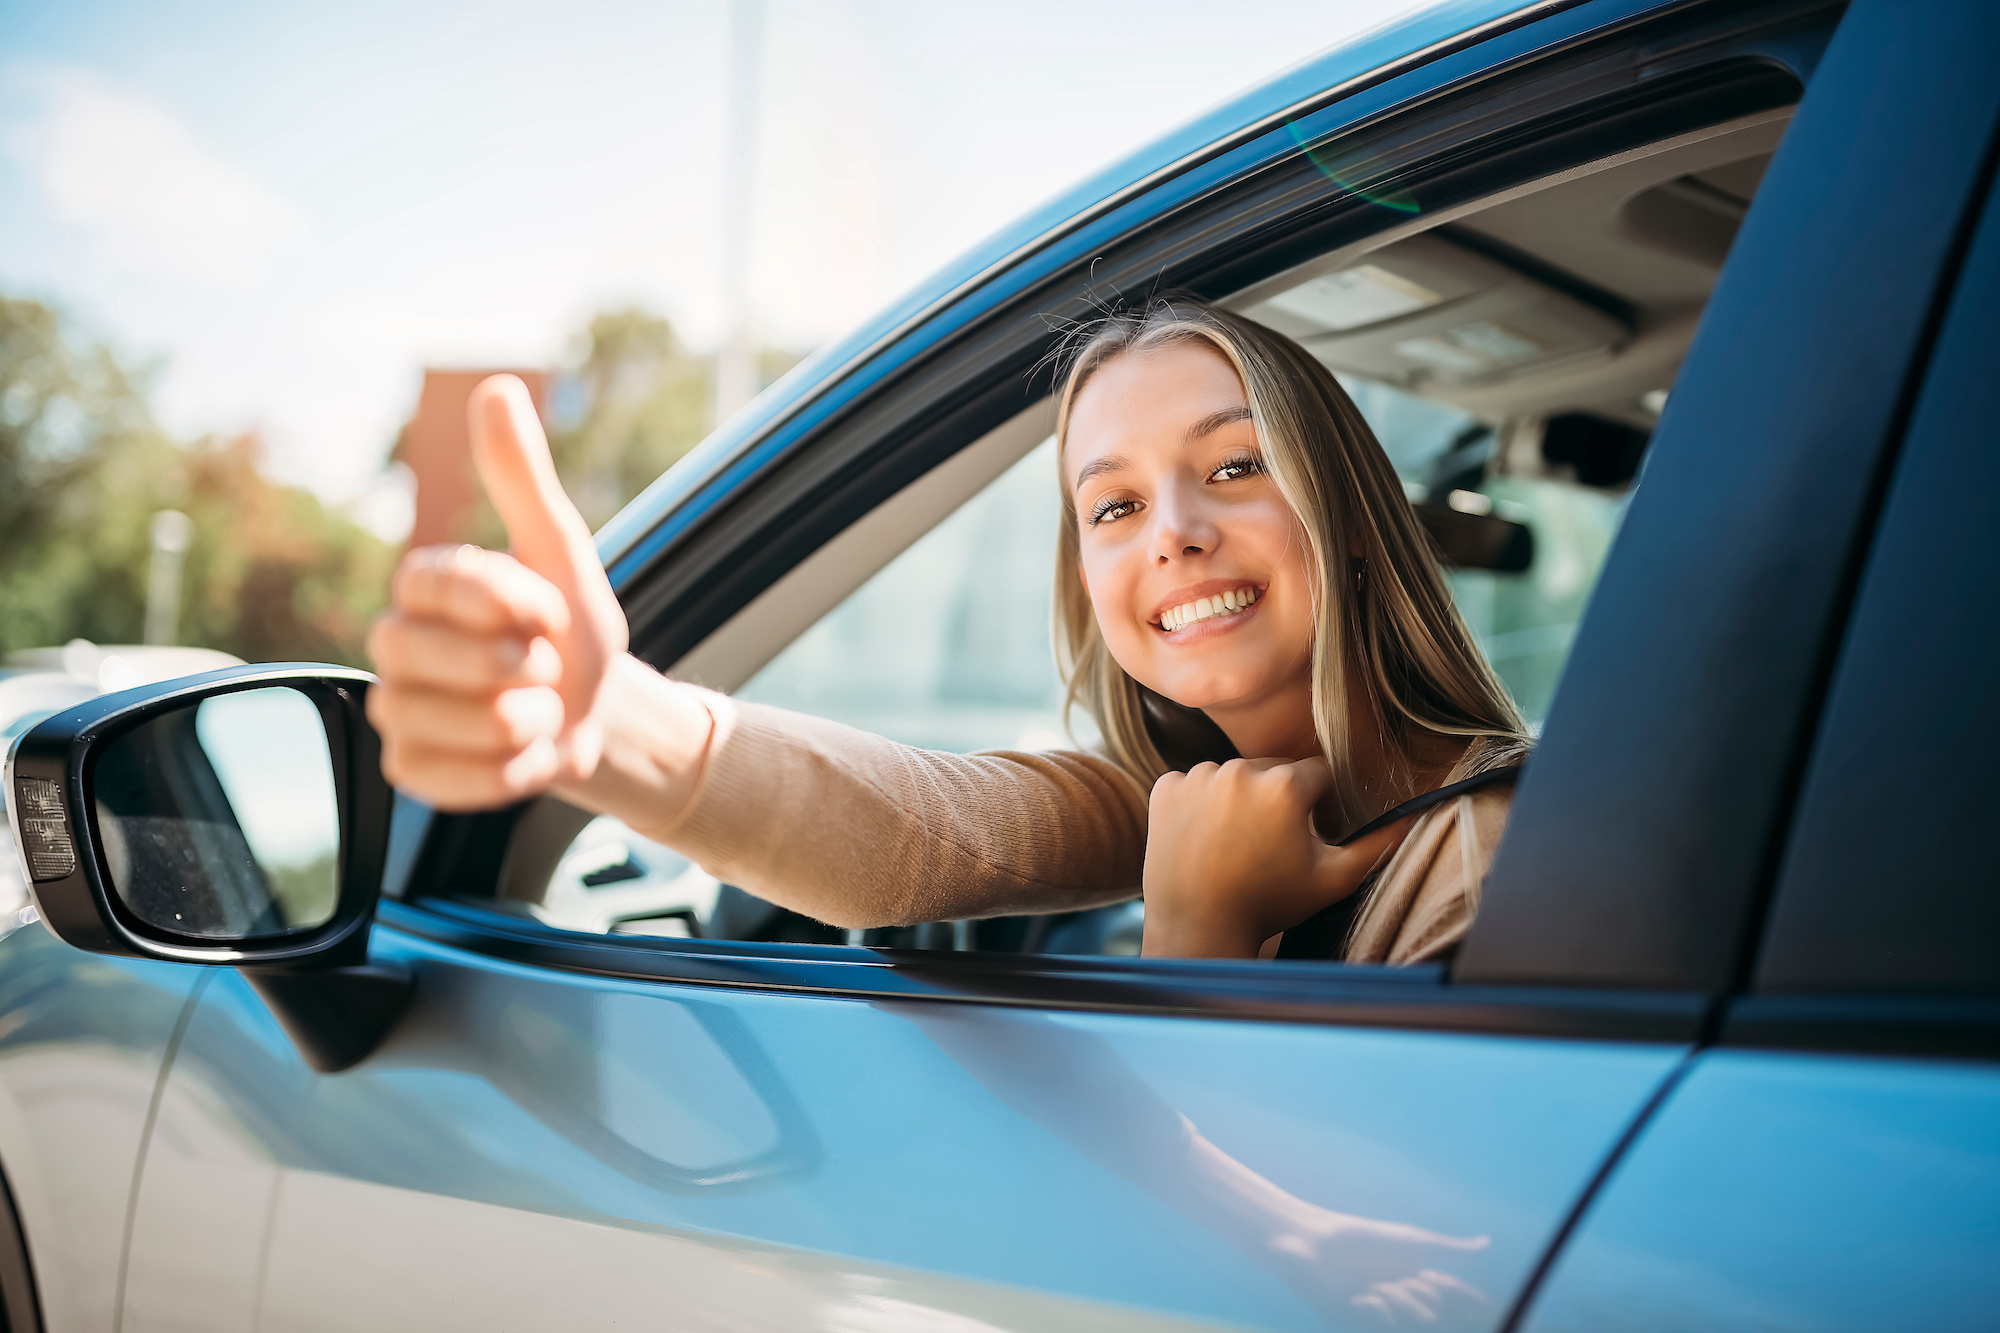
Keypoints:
(65, 410)
(632, 405)
(272, 573)
(645, 403)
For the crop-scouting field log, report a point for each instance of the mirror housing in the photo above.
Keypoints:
(317, 981)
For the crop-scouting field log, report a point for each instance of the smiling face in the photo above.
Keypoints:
(1197, 568)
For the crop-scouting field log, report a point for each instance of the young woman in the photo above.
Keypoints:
(1305, 753)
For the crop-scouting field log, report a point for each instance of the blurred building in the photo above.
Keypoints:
(436, 446)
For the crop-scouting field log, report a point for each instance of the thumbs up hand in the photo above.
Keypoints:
(498, 671)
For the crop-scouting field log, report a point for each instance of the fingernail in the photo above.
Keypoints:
(542, 662)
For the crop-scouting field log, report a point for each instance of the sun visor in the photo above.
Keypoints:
(1426, 311)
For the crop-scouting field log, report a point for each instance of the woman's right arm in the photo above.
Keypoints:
(506, 676)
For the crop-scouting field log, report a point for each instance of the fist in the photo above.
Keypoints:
(1232, 857)
(493, 666)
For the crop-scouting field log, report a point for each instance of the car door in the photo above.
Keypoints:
(573, 1130)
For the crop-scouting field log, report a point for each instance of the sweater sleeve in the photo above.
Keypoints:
(855, 830)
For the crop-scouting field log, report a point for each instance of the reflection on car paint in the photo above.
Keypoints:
(1328, 1257)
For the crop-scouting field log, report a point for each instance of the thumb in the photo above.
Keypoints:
(546, 532)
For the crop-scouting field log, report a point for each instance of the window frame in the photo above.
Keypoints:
(1562, 91)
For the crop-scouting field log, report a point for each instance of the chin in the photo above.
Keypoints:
(1214, 689)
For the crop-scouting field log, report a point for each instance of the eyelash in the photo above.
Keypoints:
(1102, 509)
(1249, 464)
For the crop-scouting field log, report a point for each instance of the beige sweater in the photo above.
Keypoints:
(856, 830)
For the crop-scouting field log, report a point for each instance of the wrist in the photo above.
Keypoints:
(655, 744)
(1173, 932)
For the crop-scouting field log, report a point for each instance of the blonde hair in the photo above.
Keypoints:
(1388, 624)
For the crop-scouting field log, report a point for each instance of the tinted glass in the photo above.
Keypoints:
(1891, 878)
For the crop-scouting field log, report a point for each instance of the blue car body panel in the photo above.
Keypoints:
(1783, 1191)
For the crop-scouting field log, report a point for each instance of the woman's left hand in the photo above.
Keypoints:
(1232, 858)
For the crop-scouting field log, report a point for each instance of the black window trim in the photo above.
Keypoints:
(1417, 997)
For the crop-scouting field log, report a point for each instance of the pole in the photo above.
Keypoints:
(736, 360)
(171, 533)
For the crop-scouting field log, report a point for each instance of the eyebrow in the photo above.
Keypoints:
(1215, 421)
(1098, 466)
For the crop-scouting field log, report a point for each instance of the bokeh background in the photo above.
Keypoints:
(249, 253)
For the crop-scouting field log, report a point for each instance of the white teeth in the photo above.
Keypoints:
(1202, 608)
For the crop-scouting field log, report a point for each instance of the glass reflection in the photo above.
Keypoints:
(220, 821)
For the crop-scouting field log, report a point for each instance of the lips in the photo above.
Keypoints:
(1198, 604)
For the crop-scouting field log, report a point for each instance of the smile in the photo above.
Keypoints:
(1207, 608)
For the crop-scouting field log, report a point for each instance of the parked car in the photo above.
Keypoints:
(35, 682)
(1720, 1049)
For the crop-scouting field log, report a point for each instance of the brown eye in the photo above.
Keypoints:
(1236, 469)
(1110, 509)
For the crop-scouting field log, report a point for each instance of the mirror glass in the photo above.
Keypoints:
(219, 820)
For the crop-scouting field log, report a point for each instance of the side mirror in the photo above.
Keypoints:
(237, 817)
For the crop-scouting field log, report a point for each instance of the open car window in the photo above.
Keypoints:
(1512, 360)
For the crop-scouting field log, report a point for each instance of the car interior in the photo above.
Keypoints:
(1513, 355)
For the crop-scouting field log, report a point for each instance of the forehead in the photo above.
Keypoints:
(1149, 399)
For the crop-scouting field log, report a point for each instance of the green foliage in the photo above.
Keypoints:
(272, 574)
(647, 402)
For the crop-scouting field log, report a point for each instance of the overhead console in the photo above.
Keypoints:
(1426, 312)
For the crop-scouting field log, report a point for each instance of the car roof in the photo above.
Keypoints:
(1444, 25)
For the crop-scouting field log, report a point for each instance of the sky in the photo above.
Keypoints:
(287, 210)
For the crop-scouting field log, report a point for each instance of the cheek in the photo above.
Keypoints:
(1108, 578)
(1295, 609)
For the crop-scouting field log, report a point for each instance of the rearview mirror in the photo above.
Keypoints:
(1470, 540)
(235, 817)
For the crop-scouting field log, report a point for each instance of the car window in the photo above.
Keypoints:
(948, 647)
(1512, 363)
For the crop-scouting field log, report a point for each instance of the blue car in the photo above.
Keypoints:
(1678, 320)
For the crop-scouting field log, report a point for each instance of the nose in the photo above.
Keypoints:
(1182, 526)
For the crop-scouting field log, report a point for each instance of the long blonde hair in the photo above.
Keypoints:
(1383, 613)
